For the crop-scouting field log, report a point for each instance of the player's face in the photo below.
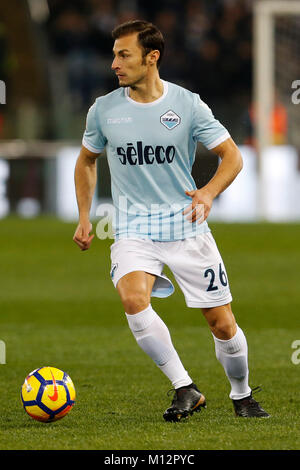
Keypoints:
(129, 64)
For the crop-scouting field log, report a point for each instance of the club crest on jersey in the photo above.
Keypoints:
(170, 119)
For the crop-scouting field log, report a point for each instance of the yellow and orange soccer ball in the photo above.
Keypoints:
(48, 394)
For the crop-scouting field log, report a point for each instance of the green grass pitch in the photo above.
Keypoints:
(59, 308)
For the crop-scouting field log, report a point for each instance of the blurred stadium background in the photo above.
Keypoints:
(241, 56)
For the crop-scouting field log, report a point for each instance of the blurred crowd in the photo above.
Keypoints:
(208, 44)
(57, 65)
(56, 55)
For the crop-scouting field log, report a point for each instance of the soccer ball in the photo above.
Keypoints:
(48, 394)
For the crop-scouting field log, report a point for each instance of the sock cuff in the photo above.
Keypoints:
(232, 345)
(141, 320)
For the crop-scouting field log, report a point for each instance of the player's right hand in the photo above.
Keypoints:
(82, 236)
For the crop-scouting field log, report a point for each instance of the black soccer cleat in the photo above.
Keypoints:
(186, 401)
(249, 408)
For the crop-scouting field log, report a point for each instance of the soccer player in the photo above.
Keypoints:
(150, 129)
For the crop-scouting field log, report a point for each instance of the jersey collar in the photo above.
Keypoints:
(152, 103)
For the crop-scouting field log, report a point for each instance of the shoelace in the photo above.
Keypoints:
(257, 389)
(251, 401)
(172, 390)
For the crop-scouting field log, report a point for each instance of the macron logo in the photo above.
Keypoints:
(120, 120)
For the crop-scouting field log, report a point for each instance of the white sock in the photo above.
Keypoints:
(233, 355)
(153, 336)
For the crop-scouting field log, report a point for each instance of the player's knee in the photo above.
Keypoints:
(221, 321)
(135, 302)
(224, 328)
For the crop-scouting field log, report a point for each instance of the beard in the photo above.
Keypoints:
(132, 83)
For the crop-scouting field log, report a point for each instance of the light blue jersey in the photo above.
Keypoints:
(151, 150)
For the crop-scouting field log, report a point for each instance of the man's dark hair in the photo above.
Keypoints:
(149, 36)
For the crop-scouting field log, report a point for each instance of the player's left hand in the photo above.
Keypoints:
(82, 236)
(200, 206)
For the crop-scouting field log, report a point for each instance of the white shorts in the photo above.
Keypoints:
(195, 263)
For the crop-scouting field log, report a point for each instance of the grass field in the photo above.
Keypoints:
(59, 308)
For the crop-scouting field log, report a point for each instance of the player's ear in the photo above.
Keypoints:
(154, 56)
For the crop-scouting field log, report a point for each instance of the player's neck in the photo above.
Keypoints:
(151, 89)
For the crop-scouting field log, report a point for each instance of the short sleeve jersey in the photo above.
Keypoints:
(151, 150)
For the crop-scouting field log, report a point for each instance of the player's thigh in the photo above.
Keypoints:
(200, 272)
(221, 321)
(135, 290)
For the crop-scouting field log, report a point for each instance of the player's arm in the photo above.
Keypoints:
(230, 166)
(85, 183)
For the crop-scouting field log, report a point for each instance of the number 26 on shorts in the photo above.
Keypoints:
(210, 273)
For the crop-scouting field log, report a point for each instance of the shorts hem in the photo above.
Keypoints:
(135, 268)
(211, 304)
(158, 292)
